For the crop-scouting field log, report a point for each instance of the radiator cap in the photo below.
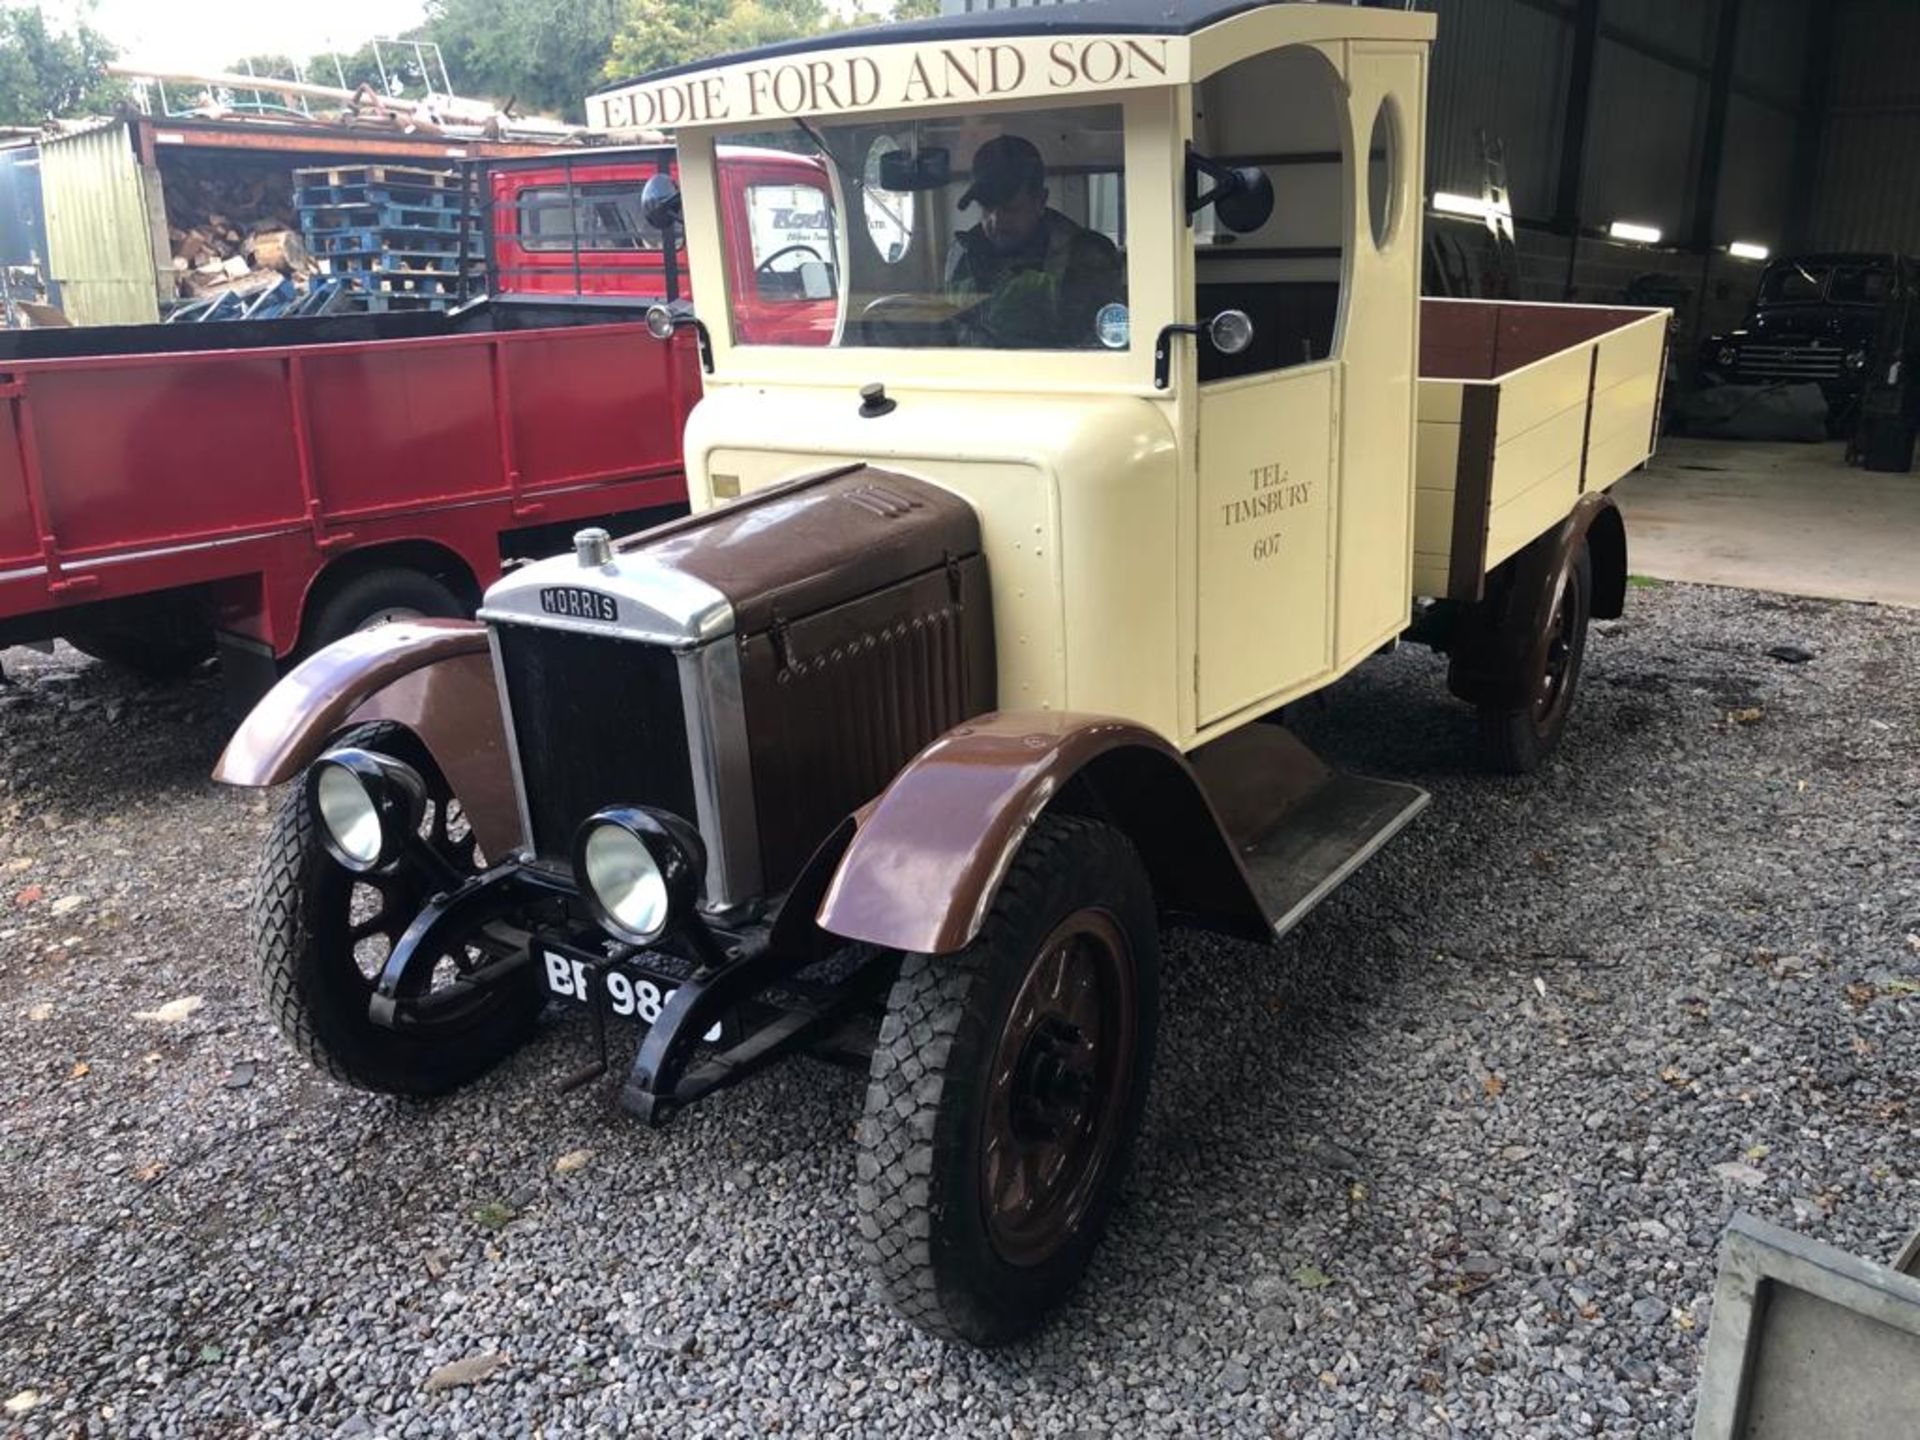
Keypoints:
(592, 547)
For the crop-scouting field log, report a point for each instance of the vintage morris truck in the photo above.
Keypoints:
(961, 680)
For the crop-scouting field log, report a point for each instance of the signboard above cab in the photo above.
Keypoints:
(1092, 47)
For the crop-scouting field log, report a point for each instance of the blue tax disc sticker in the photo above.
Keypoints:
(1113, 325)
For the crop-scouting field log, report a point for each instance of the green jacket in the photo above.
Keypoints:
(1042, 298)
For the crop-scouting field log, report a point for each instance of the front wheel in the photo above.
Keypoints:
(322, 933)
(1006, 1088)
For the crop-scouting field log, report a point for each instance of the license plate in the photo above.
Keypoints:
(626, 990)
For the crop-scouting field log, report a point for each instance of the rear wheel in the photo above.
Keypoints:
(1006, 1088)
(322, 933)
(1518, 739)
(377, 597)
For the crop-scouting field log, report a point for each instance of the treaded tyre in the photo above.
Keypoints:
(1518, 741)
(376, 597)
(1006, 1088)
(320, 932)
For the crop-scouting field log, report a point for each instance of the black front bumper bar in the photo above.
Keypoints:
(734, 975)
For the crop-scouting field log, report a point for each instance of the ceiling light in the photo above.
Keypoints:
(1747, 250)
(1640, 234)
(1449, 204)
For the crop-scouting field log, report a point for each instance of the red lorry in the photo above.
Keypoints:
(275, 484)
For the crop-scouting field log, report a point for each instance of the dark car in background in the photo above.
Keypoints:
(1833, 319)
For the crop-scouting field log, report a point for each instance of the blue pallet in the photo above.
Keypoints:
(315, 219)
(390, 304)
(358, 240)
(399, 280)
(381, 195)
(366, 262)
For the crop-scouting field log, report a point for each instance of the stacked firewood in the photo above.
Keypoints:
(231, 225)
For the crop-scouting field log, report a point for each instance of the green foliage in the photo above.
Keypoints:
(549, 55)
(546, 55)
(659, 33)
(46, 72)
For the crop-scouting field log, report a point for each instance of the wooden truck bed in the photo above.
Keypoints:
(1522, 409)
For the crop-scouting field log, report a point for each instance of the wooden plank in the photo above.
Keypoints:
(1440, 400)
(1531, 513)
(1429, 574)
(1473, 493)
(1436, 455)
(1433, 522)
(1543, 390)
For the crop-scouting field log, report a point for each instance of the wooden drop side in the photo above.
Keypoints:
(1522, 409)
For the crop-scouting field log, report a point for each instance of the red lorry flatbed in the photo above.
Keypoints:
(278, 482)
(252, 469)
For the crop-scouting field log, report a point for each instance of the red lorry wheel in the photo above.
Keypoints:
(377, 596)
(1007, 1084)
(152, 655)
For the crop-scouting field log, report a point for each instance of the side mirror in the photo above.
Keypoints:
(660, 201)
(927, 169)
(1242, 195)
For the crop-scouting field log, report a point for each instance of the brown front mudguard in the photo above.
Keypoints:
(435, 677)
(927, 858)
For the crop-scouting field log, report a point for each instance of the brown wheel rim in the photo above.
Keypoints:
(1056, 1094)
(1556, 674)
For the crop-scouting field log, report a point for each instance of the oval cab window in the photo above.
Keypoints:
(1383, 173)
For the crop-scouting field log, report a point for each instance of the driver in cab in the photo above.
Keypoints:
(1032, 277)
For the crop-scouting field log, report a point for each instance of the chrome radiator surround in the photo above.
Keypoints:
(655, 606)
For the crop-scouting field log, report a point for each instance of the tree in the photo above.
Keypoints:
(659, 33)
(546, 55)
(46, 73)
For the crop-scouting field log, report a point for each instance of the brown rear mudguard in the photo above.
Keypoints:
(927, 858)
(433, 676)
(1502, 641)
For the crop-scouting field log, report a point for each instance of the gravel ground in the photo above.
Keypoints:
(1453, 1161)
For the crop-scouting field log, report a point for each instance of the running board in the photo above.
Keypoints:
(1300, 826)
(1324, 839)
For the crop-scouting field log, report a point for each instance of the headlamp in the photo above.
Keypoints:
(639, 869)
(367, 804)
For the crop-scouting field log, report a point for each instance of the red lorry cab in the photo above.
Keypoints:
(272, 484)
(573, 226)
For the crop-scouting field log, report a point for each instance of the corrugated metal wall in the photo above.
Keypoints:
(1867, 194)
(1499, 67)
(1505, 66)
(99, 234)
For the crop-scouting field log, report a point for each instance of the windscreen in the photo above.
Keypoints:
(1003, 230)
(1843, 284)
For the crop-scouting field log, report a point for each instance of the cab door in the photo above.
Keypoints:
(1268, 418)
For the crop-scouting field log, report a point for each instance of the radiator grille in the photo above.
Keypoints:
(597, 722)
(1788, 362)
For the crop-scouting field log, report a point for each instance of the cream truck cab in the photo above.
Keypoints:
(960, 681)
